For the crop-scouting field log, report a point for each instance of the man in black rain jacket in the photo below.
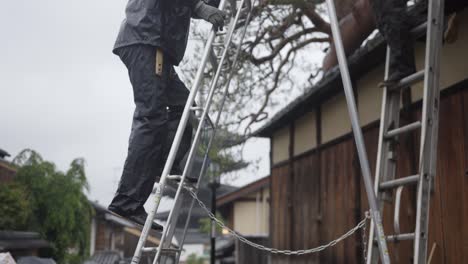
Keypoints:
(152, 40)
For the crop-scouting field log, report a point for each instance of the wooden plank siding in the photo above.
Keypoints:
(328, 195)
(280, 211)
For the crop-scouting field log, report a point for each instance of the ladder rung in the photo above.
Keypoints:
(164, 250)
(178, 178)
(174, 177)
(196, 108)
(419, 30)
(149, 249)
(409, 80)
(399, 182)
(403, 129)
(170, 250)
(400, 237)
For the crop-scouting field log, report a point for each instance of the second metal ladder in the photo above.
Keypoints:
(390, 131)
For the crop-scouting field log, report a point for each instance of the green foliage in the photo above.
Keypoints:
(193, 259)
(61, 212)
(223, 156)
(205, 224)
(14, 207)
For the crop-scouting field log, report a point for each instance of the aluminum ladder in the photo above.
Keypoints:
(358, 137)
(390, 130)
(216, 52)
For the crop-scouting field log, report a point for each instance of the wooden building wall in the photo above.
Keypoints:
(247, 254)
(319, 195)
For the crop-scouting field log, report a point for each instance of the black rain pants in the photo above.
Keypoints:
(159, 102)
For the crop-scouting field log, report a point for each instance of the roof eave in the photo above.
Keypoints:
(360, 62)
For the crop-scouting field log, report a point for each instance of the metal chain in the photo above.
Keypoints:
(360, 225)
(364, 238)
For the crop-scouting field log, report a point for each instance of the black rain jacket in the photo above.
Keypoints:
(160, 23)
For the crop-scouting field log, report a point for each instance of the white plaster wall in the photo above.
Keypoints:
(305, 133)
(335, 118)
(281, 145)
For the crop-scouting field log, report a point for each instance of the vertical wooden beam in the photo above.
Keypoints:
(318, 127)
(271, 211)
(291, 196)
(357, 183)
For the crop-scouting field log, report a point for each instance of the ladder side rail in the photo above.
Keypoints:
(200, 127)
(174, 147)
(172, 225)
(218, 117)
(365, 168)
(430, 120)
(372, 256)
(386, 160)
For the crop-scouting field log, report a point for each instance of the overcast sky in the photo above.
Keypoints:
(64, 94)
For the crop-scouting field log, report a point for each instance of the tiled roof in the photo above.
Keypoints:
(21, 240)
(104, 257)
(35, 260)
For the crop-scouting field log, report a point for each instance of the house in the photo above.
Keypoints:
(21, 244)
(317, 193)
(246, 210)
(7, 171)
(114, 239)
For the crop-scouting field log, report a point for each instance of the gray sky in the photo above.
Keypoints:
(64, 94)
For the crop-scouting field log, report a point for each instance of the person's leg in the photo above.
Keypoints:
(177, 97)
(149, 130)
(393, 22)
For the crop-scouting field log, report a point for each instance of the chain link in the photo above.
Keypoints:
(364, 238)
(238, 236)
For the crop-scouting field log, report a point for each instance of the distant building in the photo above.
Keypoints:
(114, 238)
(21, 244)
(7, 171)
(247, 211)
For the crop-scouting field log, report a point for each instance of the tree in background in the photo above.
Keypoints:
(194, 259)
(14, 207)
(205, 224)
(281, 55)
(60, 211)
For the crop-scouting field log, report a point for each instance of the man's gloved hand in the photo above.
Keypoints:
(210, 14)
